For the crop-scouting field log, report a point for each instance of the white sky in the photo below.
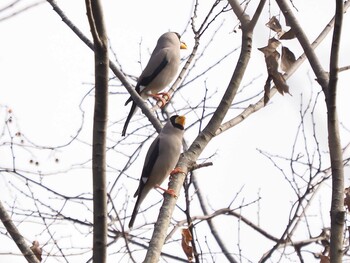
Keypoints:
(46, 70)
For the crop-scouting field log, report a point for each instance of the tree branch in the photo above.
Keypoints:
(96, 21)
(321, 75)
(16, 236)
(191, 155)
(260, 104)
(139, 101)
(335, 150)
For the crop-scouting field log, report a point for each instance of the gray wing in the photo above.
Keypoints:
(150, 160)
(142, 191)
(155, 66)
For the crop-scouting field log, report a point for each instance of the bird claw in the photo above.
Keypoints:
(163, 97)
(172, 193)
(163, 101)
(168, 191)
(177, 170)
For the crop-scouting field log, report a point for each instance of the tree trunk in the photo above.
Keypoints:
(95, 16)
(335, 150)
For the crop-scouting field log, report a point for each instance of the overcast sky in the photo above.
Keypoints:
(46, 70)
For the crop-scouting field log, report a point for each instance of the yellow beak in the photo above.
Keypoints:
(181, 120)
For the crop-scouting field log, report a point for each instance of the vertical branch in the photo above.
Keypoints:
(95, 17)
(191, 155)
(329, 88)
(118, 73)
(16, 236)
(337, 205)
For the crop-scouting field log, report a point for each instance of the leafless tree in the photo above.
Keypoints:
(105, 208)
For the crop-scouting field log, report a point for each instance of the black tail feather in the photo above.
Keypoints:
(135, 212)
(131, 113)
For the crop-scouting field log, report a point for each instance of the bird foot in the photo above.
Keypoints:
(163, 97)
(177, 170)
(168, 191)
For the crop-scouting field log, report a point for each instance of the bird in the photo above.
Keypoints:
(160, 160)
(160, 70)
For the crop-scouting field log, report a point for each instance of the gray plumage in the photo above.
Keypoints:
(160, 160)
(161, 69)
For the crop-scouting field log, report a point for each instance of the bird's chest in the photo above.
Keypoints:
(169, 153)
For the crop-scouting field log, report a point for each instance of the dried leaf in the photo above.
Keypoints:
(271, 47)
(288, 35)
(272, 62)
(36, 250)
(286, 21)
(267, 89)
(287, 59)
(274, 74)
(273, 42)
(186, 244)
(324, 259)
(347, 198)
(280, 83)
(274, 25)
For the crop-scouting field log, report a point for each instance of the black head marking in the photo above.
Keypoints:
(175, 124)
(178, 35)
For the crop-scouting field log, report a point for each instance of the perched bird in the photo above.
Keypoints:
(160, 160)
(159, 72)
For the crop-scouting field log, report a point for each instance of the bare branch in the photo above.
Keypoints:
(95, 17)
(335, 149)
(203, 139)
(322, 76)
(16, 236)
(260, 104)
(139, 101)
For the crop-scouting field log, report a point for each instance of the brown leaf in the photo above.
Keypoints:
(324, 259)
(286, 21)
(267, 88)
(347, 198)
(271, 47)
(186, 244)
(272, 62)
(274, 25)
(274, 74)
(288, 35)
(280, 83)
(36, 250)
(287, 59)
